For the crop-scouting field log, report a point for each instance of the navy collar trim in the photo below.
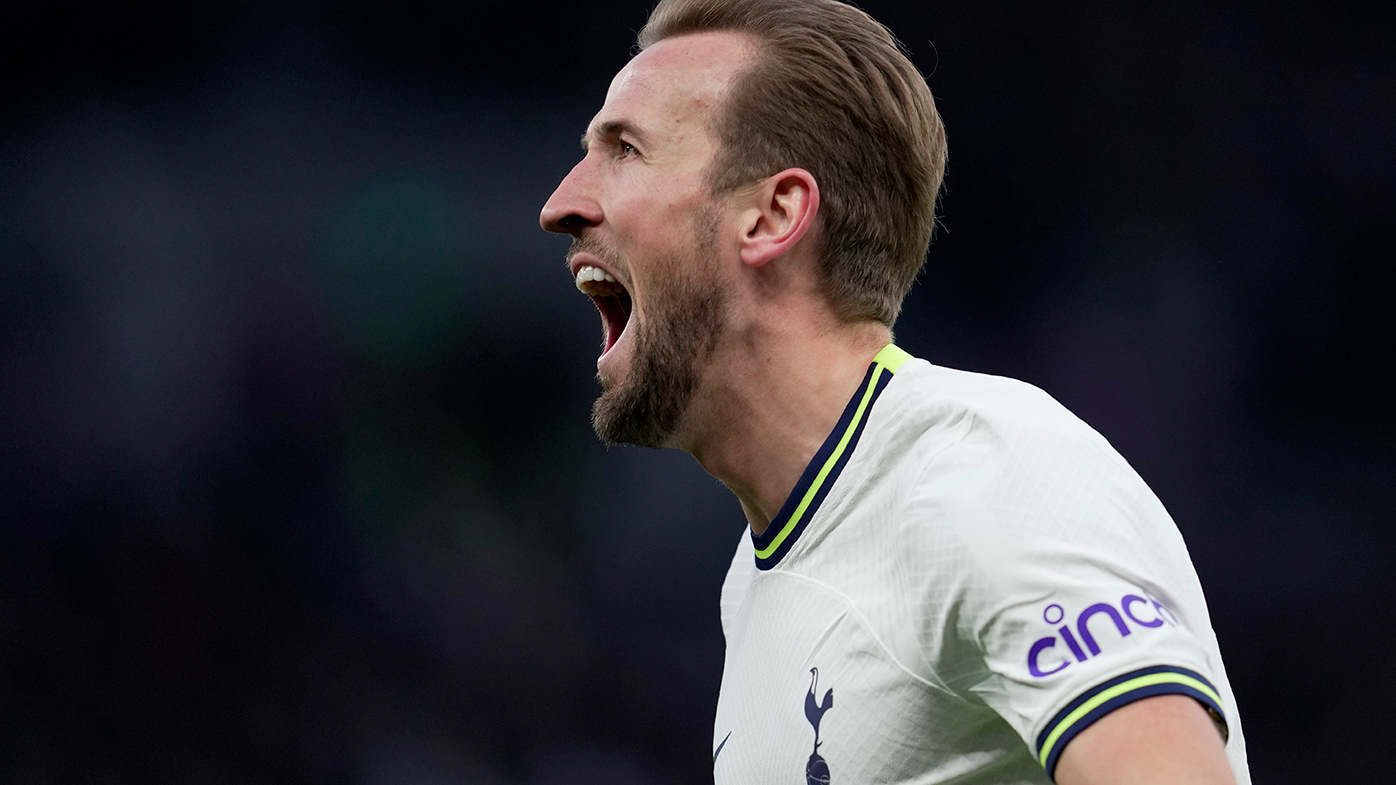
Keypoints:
(824, 469)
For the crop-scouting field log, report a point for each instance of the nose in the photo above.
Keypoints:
(572, 207)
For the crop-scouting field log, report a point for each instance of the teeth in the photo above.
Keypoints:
(597, 282)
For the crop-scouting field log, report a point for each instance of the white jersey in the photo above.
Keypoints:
(964, 578)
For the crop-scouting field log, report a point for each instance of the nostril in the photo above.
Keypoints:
(572, 221)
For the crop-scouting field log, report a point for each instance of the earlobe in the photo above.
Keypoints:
(784, 210)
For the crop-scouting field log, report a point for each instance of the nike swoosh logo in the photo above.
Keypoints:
(718, 751)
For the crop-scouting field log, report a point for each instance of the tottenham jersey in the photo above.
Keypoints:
(964, 578)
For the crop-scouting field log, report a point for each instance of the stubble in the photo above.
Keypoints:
(672, 347)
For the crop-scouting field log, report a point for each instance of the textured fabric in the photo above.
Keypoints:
(983, 579)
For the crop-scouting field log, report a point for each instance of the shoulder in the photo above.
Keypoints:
(937, 420)
(939, 401)
(996, 466)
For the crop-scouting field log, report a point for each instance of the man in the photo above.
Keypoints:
(947, 575)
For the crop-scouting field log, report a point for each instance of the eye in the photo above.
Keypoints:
(627, 150)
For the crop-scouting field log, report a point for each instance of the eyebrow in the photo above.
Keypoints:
(612, 129)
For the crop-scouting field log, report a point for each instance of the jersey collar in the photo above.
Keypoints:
(819, 476)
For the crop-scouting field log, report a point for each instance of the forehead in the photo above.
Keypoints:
(673, 86)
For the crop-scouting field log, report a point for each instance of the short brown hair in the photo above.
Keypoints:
(832, 92)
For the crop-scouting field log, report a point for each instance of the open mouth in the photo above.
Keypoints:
(611, 299)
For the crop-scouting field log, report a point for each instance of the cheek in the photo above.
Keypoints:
(653, 225)
(651, 232)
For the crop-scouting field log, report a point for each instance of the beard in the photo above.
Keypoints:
(672, 347)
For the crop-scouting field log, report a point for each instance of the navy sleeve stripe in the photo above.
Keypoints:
(1119, 691)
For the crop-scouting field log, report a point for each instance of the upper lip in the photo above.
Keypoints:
(584, 259)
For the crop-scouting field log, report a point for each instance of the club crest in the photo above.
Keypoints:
(816, 771)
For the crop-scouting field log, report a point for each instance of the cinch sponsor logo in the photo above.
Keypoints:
(1145, 612)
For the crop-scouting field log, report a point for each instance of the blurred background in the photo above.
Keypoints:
(297, 482)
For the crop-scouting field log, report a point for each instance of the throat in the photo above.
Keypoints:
(768, 433)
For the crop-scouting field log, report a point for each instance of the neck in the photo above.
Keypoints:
(776, 395)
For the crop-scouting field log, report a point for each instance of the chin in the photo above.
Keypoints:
(644, 406)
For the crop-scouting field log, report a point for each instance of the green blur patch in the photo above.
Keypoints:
(415, 476)
(399, 261)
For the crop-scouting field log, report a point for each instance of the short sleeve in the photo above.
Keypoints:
(1072, 592)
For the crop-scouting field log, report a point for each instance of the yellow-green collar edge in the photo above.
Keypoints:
(891, 357)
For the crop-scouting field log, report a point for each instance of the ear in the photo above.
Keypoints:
(781, 211)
